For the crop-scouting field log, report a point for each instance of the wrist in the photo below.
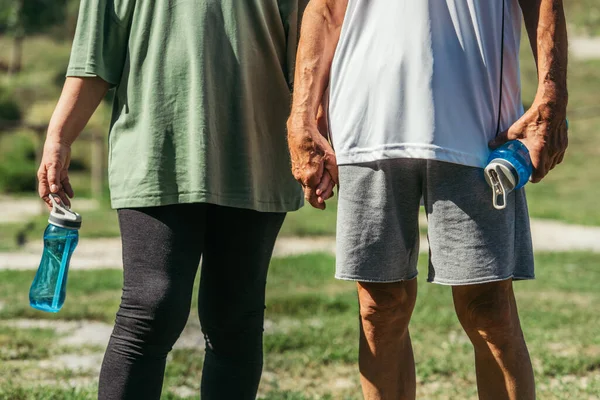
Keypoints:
(300, 121)
(56, 138)
(553, 94)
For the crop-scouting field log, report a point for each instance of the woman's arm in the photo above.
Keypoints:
(79, 99)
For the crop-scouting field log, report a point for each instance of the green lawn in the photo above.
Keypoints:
(312, 333)
(583, 16)
(570, 193)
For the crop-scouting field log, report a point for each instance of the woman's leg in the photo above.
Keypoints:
(238, 248)
(161, 253)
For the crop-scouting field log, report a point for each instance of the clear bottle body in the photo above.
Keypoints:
(49, 287)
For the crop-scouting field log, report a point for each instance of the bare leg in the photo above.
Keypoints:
(488, 313)
(386, 359)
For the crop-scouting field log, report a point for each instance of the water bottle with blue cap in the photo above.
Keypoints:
(509, 168)
(49, 287)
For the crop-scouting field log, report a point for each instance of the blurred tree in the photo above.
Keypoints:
(21, 18)
(71, 20)
(10, 111)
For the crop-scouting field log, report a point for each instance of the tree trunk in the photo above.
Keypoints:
(18, 31)
(17, 55)
(97, 167)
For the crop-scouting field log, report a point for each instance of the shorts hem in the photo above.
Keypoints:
(355, 278)
(477, 281)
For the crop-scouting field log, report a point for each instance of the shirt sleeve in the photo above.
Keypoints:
(101, 39)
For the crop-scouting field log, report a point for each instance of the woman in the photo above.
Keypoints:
(198, 168)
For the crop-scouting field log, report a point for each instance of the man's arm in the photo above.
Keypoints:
(313, 160)
(79, 99)
(543, 127)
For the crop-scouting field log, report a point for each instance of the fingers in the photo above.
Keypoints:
(499, 140)
(514, 132)
(56, 183)
(541, 168)
(560, 158)
(565, 142)
(327, 194)
(325, 188)
(332, 168)
(66, 189)
(324, 184)
(310, 195)
(43, 186)
(502, 138)
(53, 171)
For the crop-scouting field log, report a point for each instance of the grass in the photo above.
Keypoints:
(100, 223)
(568, 192)
(312, 333)
(583, 16)
(309, 221)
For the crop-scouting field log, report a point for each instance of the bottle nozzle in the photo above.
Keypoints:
(61, 215)
(498, 192)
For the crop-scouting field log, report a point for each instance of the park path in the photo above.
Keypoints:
(16, 209)
(106, 253)
(584, 48)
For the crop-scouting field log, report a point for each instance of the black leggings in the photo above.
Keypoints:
(162, 247)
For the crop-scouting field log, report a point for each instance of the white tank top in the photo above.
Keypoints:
(431, 79)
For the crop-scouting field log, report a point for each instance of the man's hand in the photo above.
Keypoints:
(313, 162)
(543, 130)
(53, 173)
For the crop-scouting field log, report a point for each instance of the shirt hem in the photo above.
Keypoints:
(90, 71)
(410, 150)
(199, 197)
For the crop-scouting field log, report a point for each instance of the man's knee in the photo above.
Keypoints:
(387, 304)
(486, 311)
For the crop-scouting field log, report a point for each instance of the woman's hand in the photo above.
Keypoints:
(79, 99)
(53, 176)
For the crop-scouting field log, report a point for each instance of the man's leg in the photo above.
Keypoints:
(387, 367)
(161, 253)
(479, 251)
(231, 303)
(488, 313)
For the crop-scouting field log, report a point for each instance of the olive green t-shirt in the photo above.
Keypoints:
(202, 95)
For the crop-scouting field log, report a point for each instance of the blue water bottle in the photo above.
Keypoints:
(509, 168)
(49, 287)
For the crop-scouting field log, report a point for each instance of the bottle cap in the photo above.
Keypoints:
(502, 178)
(62, 216)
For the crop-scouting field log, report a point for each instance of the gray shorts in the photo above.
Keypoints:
(469, 240)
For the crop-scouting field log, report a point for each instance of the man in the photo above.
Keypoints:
(418, 89)
(198, 168)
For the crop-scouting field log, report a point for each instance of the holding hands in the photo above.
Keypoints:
(313, 160)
